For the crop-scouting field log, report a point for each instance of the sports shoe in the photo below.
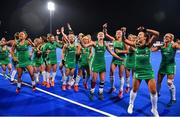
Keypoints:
(69, 87)
(13, 81)
(91, 95)
(155, 112)
(101, 96)
(130, 109)
(33, 88)
(44, 83)
(120, 94)
(18, 90)
(48, 85)
(76, 88)
(171, 102)
(63, 87)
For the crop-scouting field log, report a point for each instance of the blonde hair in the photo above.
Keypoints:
(172, 36)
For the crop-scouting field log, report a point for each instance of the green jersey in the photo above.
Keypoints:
(130, 58)
(168, 64)
(120, 46)
(4, 55)
(70, 57)
(23, 54)
(143, 68)
(51, 57)
(98, 63)
(37, 58)
(84, 58)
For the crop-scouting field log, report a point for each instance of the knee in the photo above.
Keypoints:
(127, 75)
(169, 82)
(134, 90)
(120, 75)
(111, 73)
(153, 91)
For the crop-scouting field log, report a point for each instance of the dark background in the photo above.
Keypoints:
(88, 16)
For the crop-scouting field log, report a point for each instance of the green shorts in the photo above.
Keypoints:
(143, 74)
(5, 61)
(117, 62)
(23, 64)
(168, 69)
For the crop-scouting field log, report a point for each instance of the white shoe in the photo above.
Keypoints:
(130, 109)
(155, 112)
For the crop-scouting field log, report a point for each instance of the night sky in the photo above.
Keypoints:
(88, 16)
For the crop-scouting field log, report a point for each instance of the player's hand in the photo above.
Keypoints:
(123, 29)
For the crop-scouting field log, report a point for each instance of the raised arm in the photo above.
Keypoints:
(106, 34)
(155, 35)
(130, 43)
(69, 28)
(30, 42)
(125, 40)
(92, 43)
(154, 49)
(153, 32)
(64, 35)
(110, 37)
(176, 45)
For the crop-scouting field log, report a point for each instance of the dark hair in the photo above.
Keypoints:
(146, 34)
(44, 38)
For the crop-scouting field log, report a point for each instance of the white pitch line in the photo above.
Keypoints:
(71, 101)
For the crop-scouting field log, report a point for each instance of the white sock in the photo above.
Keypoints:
(53, 76)
(38, 74)
(92, 90)
(47, 76)
(13, 74)
(112, 81)
(77, 80)
(121, 83)
(44, 75)
(33, 83)
(128, 82)
(71, 80)
(101, 87)
(64, 79)
(132, 97)
(172, 90)
(19, 85)
(3, 72)
(36, 77)
(154, 100)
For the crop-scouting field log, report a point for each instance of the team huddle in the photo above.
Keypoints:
(130, 54)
